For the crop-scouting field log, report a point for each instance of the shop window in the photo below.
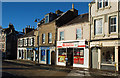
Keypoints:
(78, 56)
(43, 38)
(78, 33)
(113, 24)
(42, 55)
(49, 37)
(108, 55)
(61, 55)
(62, 35)
(28, 53)
(98, 26)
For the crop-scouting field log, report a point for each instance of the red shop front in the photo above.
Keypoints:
(75, 52)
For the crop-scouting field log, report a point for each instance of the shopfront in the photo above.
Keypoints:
(105, 55)
(76, 52)
(30, 54)
(45, 54)
(21, 53)
(36, 54)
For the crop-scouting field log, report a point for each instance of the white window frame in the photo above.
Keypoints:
(62, 37)
(49, 37)
(105, 2)
(79, 33)
(98, 27)
(100, 1)
(112, 24)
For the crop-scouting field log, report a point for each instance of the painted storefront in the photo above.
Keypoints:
(45, 54)
(75, 52)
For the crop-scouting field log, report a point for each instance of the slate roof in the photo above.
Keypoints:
(31, 33)
(79, 19)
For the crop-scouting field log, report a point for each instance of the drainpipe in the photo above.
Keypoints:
(38, 45)
(89, 36)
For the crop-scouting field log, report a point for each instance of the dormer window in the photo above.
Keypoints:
(46, 18)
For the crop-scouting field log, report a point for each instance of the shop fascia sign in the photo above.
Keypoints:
(71, 44)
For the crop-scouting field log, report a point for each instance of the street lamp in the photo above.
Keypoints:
(37, 20)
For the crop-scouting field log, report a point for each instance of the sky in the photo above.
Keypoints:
(21, 14)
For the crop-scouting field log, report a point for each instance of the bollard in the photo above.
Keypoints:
(115, 68)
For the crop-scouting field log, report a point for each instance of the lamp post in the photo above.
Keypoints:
(36, 20)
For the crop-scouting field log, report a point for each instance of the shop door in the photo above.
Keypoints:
(70, 56)
(94, 58)
(48, 57)
(52, 58)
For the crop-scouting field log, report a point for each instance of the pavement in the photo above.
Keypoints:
(62, 70)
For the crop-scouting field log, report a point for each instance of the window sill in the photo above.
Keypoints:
(99, 35)
(43, 42)
(50, 42)
(106, 7)
(107, 64)
(111, 34)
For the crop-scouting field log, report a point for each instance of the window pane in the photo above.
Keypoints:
(78, 56)
(78, 34)
(61, 55)
(62, 35)
(98, 26)
(50, 37)
(108, 55)
(113, 24)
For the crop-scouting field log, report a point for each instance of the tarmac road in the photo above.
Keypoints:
(18, 69)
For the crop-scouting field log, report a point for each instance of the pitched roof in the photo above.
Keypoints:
(31, 33)
(79, 19)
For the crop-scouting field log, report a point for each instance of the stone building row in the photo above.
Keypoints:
(89, 40)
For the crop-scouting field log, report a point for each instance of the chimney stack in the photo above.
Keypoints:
(29, 26)
(23, 30)
(72, 6)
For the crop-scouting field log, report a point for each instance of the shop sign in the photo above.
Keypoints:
(70, 45)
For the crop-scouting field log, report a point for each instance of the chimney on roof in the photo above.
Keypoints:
(29, 26)
(72, 6)
(23, 30)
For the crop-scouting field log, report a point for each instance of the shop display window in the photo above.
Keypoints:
(108, 55)
(78, 56)
(42, 55)
(61, 55)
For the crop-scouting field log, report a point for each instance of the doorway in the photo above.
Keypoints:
(52, 58)
(70, 56)
(48, 57)
(95, 58)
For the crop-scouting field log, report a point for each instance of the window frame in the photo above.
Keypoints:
(79, 33)
(113, 24)
(105, 3)
(62, 37)
(49, 37)
(43, 38)
(100, 1)
(95, 26)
